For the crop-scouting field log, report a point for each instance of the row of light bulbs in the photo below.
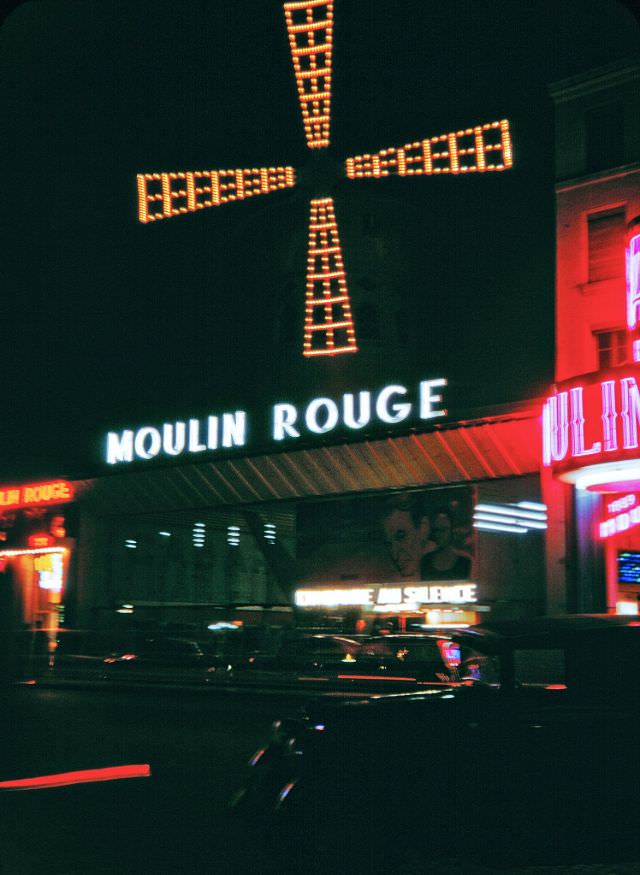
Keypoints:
(325, 243)
(315, 100)
(418, 157)
(222, 187)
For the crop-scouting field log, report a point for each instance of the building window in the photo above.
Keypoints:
(604, 136)
(612, 347)
(606, 232)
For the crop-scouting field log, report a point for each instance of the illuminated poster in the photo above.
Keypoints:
(407, 536)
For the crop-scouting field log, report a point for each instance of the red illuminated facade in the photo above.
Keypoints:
(35, 551)
(589, 441)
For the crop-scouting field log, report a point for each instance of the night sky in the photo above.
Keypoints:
(109, 323)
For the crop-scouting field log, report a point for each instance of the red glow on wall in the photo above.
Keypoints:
(84, 776)
(35, 494)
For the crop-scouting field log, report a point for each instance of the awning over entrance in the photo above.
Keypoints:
(492, 448)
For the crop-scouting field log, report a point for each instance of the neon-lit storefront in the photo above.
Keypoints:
(438, 521)
(590, 441)
(35, 552)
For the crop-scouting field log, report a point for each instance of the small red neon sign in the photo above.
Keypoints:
(623, 503)
(624, 515)
(621, 522)
(36, 494)
(40, 540)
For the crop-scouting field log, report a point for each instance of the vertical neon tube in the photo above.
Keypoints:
(577, 426)
(555, 428)
(630, 413)
(609, 416)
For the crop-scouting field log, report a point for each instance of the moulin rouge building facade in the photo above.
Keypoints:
(590, 451)
(381, 499)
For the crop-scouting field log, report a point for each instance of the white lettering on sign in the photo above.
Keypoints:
(620, 523)
(320, 416)
(449, 593)
(392, 413)
(428, 399)
(177, 438)
(458, 593)
(312, 598)
(622, 503)
(284, 416)
(323, 415)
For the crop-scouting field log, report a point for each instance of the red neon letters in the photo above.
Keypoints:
(598, 419)
(626, 515)
(35, 494)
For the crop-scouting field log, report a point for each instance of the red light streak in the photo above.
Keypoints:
(84, 776)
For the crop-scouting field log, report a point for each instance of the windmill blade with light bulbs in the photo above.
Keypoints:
(328, 323)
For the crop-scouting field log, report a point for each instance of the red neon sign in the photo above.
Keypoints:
(592, 420)
(623, 503)
(625, 514)
(622, 522)
(36, 494)
(633, 287)
(40, 540)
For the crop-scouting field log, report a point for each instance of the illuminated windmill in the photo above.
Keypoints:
(328, 324)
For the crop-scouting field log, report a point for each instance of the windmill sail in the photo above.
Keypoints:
(162, 195)
(479, 149)
(310, 30)
(328, 324)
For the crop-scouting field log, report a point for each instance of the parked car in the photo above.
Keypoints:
(532, 756)
(300, 659)
(159, 659)
(63, 653)
(412, 658)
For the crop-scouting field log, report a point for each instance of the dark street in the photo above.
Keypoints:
(196, 745)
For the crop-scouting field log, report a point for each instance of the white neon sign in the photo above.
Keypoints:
(396, 596)
(390, 405)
